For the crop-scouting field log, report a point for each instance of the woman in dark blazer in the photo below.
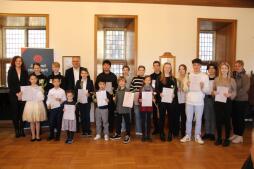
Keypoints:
(84, 106)
(17, 76)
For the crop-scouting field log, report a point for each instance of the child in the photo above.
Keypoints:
(69, 124)
(101, 114)
(34, 111)
(55, 72)
(146, 112)
(198, 86)
(85, 105)
(56, 97)
(223, 110)
(42, 79)
(122, 112)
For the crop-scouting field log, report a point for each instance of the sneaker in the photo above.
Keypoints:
(97, 137)
(127, 139)
(106, 137)
(115, 137)
(232, 137)
(185, 139)
(139, 134)
(237, 140)
(70, 142)
(199, 140)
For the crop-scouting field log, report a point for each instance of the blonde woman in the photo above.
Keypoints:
(224, 109)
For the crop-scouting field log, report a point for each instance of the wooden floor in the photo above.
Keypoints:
(86, 153)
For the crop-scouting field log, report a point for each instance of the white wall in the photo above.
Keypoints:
(160, 28)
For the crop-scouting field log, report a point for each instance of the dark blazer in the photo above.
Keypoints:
(69, 78)
(13, 81)
(50, 77)
(89, 87)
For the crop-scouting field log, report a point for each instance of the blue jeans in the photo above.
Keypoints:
(190, 111)
(137, 119)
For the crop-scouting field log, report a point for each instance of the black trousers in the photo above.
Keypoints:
(181, 112)
(111, 113)
(155, 118)
(146, 123)
(55, 121)
(84, 110)
(77, 113)
(239, 110)
(119, 123)
(222, 116)
(17, 108)
(172, 117)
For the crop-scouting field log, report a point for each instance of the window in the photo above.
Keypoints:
(114, 44)
(117, 69)
(37, 38)
(207, 46)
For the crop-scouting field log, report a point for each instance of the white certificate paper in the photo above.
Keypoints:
(167, 95)
(220, 94)
(54, 103)
(147, 99)
(109, 87)
(101, 97)
(128, 99)
(194, 83)
(82, 96)
(69, 112)
(31, 93)
(153, 83)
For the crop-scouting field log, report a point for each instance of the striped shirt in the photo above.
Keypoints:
(136, 83)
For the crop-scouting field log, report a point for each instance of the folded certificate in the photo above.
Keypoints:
(69, 112)
(220, 94)
(167, 95)
(128, 99)
(82, 96)
(101, 97)
(147, 99)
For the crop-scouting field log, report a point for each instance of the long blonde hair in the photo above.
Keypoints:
(229, 71)
(163, 78)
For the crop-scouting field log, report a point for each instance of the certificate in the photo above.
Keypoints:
(220, 94)
(128, 99)
(194, 83)
(181, 97)
(136, 97)
(147, 99)
(153, 83)
(82, 96)
(69, 112)
(109, 87)
(101, 98)
(54, 103)
(31, 93)
(167, 95)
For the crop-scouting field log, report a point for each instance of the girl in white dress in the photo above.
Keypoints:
(34, 111)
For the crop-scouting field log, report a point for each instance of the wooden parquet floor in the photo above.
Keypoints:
(85, 153)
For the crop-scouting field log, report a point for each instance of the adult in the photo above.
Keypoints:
(111, 86)
(155, 77)
(17, 77)
(240, 103)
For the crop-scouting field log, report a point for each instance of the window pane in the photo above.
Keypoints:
(15, 40)
(206, 46)
(37, 38)
(117, 69)
(7, 66)
(114, 44)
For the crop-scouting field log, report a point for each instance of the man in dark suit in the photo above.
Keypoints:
(72, 75)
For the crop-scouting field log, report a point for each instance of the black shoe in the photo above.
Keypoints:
(206, 136)
(38, 139)
(226, 143)
(218, 141)
(50, 138)
(33, 140)
(212, 137)
(162, 137)
(169, 138)
(115, 137)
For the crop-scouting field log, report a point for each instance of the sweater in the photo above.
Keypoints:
(229, 84)
(243, 86)
(119, 101)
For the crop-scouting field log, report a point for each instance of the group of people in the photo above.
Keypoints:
(193, 94)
